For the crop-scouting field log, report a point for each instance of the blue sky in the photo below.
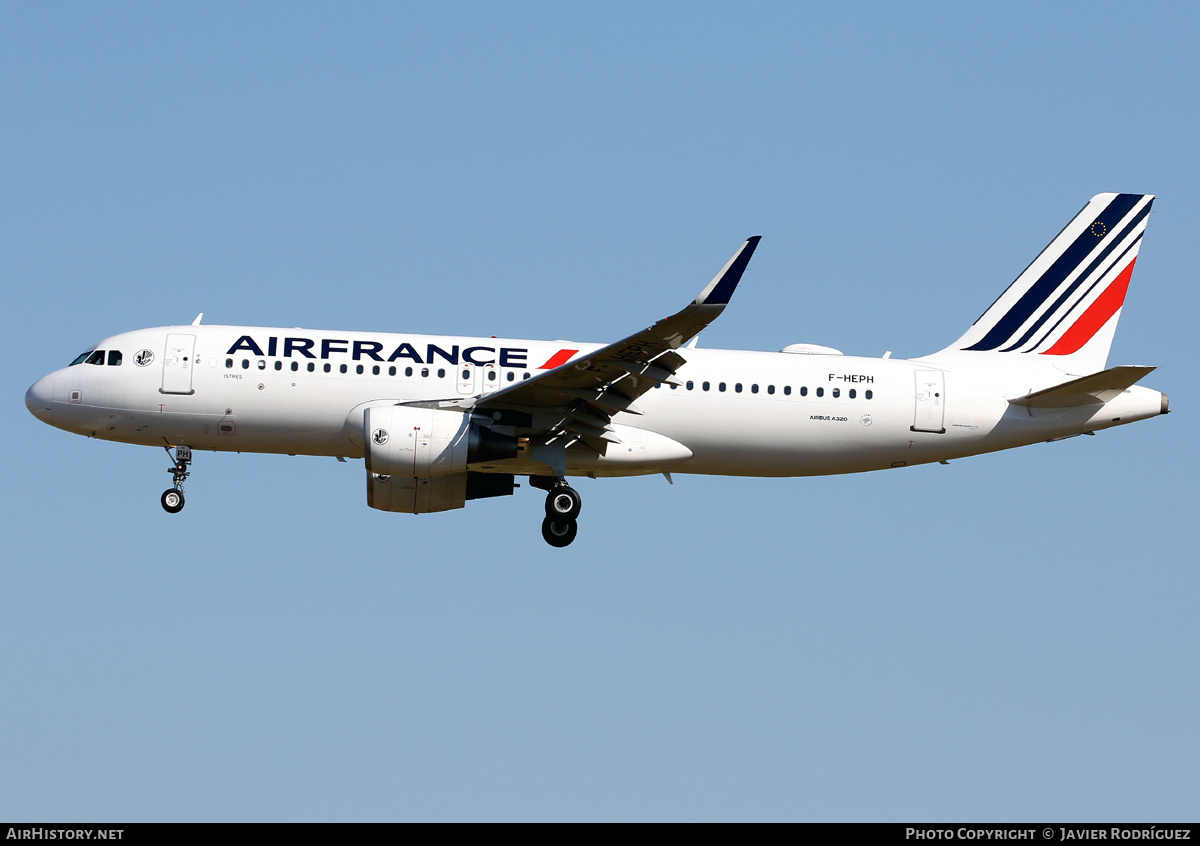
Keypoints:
(1010, 637)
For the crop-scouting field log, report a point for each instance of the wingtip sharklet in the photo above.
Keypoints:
(720, 289)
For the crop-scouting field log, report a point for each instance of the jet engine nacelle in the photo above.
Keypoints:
(417, 459)
(418, 443)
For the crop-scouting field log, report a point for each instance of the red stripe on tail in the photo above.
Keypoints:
(1097, 314)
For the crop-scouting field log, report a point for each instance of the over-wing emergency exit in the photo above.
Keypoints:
(441, 420)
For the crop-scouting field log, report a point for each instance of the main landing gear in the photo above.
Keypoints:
(563, 504)
(172, 498)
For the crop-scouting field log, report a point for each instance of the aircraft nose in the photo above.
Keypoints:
(38, 397)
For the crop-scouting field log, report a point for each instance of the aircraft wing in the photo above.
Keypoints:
(589, 390)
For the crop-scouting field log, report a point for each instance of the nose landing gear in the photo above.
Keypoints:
(563, 504)
(172, 498)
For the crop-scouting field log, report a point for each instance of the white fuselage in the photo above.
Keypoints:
(296, 391)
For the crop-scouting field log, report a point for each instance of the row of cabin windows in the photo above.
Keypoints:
(98, 357)
(376, 370)
(787, 390)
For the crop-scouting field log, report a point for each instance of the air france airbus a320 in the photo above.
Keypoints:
(442, 420)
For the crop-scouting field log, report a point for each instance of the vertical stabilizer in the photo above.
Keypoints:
(1065, 306)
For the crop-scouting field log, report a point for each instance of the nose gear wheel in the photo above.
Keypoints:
(172, 501)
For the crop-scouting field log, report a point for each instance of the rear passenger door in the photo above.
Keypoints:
(930, 407)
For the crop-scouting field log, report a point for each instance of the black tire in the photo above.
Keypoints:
(559, 533)
(563, 503)
(172, 501)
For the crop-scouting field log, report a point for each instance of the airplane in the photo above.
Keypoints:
(441, 420)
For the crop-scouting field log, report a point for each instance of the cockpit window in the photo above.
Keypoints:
(79, 359)
(95, 358)
(114, 358)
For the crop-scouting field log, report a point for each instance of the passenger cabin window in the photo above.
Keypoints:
(312, 365)
(114, 358)
(375, 370)
(408, 371)
(441, 373)
(392, 370)
(738, 387)
(245, 364)
(869, 394)
(295, 366)
(770, 389)
(853, 393)
(228, 363)
(837, 392)
(278, 365)
(820, 392)
(804, 392)
(787, 390)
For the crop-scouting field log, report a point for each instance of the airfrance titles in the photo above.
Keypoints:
(516, 357)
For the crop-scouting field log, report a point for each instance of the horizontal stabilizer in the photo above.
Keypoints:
(1096, 389)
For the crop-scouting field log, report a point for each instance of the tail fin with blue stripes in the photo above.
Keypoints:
(1065, 305)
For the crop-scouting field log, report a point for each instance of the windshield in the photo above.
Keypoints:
(97, 357)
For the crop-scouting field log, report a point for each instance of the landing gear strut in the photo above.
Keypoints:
(172, 498)
(563, 504)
